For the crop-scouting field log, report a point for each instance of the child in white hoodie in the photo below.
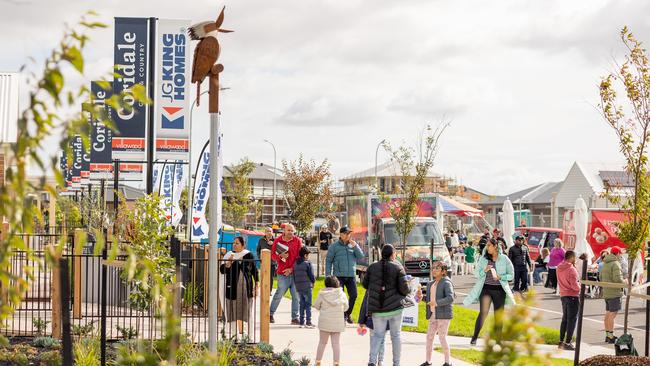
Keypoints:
(332, 304)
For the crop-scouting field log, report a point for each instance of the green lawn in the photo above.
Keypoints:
(476, 357)
(461, 325)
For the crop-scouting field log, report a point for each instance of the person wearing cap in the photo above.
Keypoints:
(520, 259)
(611, 272)
(324, 242)
(342, 257)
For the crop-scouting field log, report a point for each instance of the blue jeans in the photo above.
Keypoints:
(286, 283)
(380, 354)
(379, 333)
(305, 305)
(537, 278)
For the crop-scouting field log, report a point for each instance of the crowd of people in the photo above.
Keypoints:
(500, 274)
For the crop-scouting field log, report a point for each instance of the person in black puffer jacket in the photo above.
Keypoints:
(386, 284)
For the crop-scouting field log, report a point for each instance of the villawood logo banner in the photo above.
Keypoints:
(130, 54)
(172, 90)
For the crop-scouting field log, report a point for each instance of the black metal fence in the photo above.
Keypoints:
(125, 317)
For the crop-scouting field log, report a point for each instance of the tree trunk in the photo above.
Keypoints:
(630, 265)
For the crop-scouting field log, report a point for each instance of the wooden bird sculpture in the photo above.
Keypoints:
(207, 51)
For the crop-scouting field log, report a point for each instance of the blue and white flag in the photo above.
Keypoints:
(200, 197)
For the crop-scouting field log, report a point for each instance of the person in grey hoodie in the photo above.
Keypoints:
(439, 299)
(303, 277)
(341, 262)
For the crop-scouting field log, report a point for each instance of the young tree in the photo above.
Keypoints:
(631, 123)
(237, 193)
(413, 173)
(308, 189)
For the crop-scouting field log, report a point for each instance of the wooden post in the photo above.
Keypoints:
(265, 295)
(56, 298)
(76, 288)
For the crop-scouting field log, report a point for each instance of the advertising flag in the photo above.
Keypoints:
(200, 197)
(166, 187)
(179, 183)
(65, 170)
(157, 168)
(101, 137)
(131, 60)
(77, 161)
(171, 116)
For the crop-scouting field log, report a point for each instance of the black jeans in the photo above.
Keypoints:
(570, 306)
(491, 294)
(350, 284)
(521, 279)
(551, 279)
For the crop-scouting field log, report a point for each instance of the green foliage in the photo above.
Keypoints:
(413, 174)
(67, 213)
(308, 188)
(265, 347)
(127, 332)
(512, 336)
(237, 192)
(82, 331)
(86, 352)
(475, 357)
(632, 129)
(46, 342)
(51, 358)
(286, 357)
(40, 325)
(193, 295)
(188, 352)
(304, 361)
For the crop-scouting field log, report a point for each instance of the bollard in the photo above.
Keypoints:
(265, 295)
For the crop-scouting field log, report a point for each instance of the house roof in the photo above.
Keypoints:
(387, 169)
(591, 172)
(261, 171)
(541, 193)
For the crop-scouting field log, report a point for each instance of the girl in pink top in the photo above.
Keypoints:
(556, 257)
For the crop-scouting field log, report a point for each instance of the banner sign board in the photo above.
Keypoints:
(65, 170)
(171, 116)
(201, 194)
(77, 161)
(130, 54)
(101, 137)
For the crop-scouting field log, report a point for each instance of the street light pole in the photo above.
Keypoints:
(376, 154)
(275, 175)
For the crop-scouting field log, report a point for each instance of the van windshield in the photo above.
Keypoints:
(421, 234)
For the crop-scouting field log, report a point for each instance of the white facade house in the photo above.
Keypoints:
(591, 180)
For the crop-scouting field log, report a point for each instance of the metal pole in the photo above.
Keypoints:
(150, 107)
(213, 233)
(275, 175)
(647, 304)
(66, 336)
(576, 358)
(116, 188)
(102, 322)
(376, 155)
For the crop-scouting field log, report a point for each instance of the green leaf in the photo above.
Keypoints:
(74, 57)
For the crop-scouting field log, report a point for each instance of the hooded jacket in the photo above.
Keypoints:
(506, 273)
(568, 280)
(387, 286)
(332, 303)
(611, 272)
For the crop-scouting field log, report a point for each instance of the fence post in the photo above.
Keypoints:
(175, 249)
(265, 294)
(56, 296)
(102, 321)
(65, 312)
(76, 269)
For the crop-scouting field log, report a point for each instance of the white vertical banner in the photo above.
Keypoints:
(172, 97)
(166, 187)
(157, 169)
(200, 197)
(179, 184)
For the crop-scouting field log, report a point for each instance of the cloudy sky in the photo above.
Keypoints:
(330, 79)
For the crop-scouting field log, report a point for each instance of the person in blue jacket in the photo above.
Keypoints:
(342, 257)
(493, 271)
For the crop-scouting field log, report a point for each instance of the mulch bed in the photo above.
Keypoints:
(616, 361)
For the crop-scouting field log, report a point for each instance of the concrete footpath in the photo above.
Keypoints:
(355, 348)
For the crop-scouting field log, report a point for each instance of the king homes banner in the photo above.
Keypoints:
(172, 90)
(131, 52)
(101, 165)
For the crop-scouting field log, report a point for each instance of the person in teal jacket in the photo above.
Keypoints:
(493, 271)
(342, 257)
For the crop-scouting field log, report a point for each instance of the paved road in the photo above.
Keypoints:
(551, 314)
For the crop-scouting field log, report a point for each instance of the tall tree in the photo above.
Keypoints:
(414, 168)
(630, 119)
(237, 193)
(308, 188)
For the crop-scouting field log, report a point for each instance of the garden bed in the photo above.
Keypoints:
(616, 361)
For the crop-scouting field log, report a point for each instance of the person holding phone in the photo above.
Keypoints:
(493, 271)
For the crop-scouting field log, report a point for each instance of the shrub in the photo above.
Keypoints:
(51, 358)
(46, 342)
(86, 352)
(40, 325)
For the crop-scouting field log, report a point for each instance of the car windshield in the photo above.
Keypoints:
(421, 234)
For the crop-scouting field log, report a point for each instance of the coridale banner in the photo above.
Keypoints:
(77, 161)
(172, 96)
(101, 137)
(131, 60)
(65, 170)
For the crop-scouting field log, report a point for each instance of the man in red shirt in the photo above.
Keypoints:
(289, 249)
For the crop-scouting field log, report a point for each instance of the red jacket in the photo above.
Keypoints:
(294, 249)
(568, 280)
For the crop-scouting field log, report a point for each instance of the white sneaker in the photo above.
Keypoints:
(302, 325)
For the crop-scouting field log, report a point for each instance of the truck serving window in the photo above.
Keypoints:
(421, 234)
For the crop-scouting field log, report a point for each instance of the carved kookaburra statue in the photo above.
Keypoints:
(207, 51)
